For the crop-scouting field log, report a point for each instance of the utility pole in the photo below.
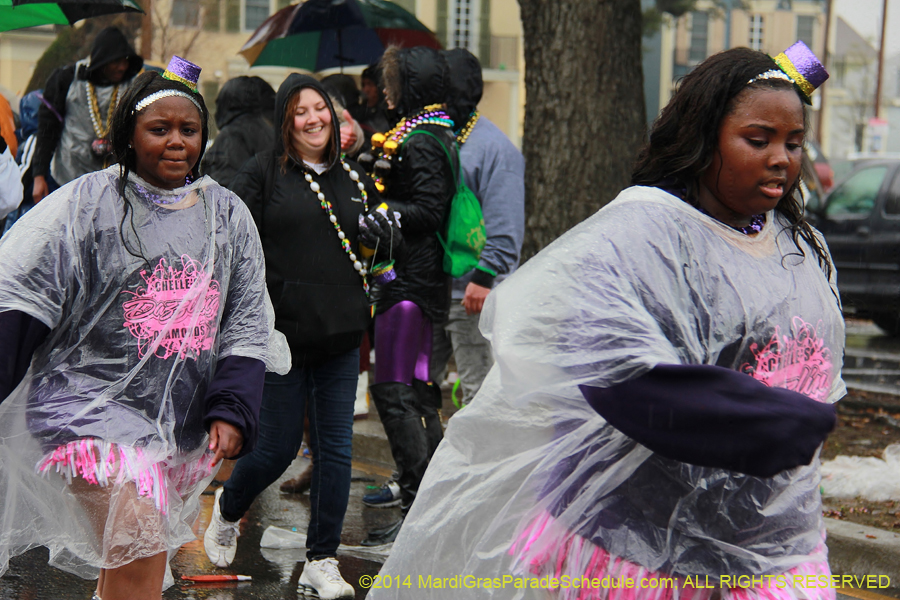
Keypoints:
(880, 61)
(820, 126)
(147, 30)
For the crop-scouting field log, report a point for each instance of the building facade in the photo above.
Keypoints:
(211, 33)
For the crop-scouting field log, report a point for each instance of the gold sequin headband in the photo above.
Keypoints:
(800, 66)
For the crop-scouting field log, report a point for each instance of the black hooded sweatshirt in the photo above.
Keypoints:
(420, 186)
(109, 45)
(244, 112)
(467, 85)
(319, 301)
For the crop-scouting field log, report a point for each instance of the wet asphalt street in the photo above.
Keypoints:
(275, 572)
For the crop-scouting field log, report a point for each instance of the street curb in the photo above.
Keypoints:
(861, 550)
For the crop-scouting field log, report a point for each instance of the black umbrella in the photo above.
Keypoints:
(18, 14)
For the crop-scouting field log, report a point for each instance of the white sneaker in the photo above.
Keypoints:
(220, 539)
(324, 577)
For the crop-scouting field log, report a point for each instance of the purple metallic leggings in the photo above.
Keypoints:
(402, 344)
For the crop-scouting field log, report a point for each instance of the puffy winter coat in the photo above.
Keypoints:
(244, 111)
(420, 186)
(319, 301)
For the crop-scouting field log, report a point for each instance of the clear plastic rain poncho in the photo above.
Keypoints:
(105, 433)
(531, 483)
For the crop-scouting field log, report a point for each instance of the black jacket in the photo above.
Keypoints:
(467, 85)
(319, 301)
(244, 112)
(109, 45)
(420, 186)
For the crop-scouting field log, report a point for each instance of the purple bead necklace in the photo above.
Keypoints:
(756, 222)
(433, 115)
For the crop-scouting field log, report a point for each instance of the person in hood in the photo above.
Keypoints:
(414, 165)
(494, 169)
(307, 203)
(244, 109)
(73, 126)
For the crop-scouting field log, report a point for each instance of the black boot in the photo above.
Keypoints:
(398, 409)
(430, 401)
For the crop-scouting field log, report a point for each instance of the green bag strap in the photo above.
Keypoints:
(456, 176)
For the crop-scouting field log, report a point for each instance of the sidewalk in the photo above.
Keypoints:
(860, 550)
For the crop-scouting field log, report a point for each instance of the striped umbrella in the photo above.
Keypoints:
(322, 34)
(18, 14)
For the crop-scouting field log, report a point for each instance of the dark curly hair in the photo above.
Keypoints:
(122, 131)
(685, 136)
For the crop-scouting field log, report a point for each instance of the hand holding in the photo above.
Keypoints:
(381, 231)
(40, 189)
(225, 440)
(474, 298)
(348, 131)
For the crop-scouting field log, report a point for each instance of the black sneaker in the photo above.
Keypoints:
(383, 535)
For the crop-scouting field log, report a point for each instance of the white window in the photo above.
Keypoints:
(699, 37)
(805, 26)
(756, 32)
(463, 25)
(185, 13)
(255, 12)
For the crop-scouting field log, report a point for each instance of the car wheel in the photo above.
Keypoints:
(888, 322)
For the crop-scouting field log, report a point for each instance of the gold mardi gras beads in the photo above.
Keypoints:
(468, 127)
(378, 140)
(390, 146)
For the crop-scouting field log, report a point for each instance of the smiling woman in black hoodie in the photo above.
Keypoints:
(306, 201)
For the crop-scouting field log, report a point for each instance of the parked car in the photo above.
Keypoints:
(811, 188)
(860, 220)
(823, 168)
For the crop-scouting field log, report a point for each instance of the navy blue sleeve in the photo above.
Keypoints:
(715, 417)
(20, 335)
(235, 396)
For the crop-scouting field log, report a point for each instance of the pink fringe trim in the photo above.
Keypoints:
(547, 549)
(95, 461)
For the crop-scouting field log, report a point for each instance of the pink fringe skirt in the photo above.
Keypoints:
(104, 463)
(587, 572)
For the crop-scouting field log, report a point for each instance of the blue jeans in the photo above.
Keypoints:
(327, 392)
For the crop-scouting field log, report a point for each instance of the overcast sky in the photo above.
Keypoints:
(865, 17)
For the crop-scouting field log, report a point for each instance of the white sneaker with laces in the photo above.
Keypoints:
(220, 539)
(324, 577)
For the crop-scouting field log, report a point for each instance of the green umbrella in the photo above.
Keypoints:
(321, 34)
(18, 14)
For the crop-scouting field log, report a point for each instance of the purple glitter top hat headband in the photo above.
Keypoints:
(184, 71)
(799, 65)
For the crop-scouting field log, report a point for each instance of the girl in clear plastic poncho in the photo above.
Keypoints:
(663, 382)
(134, 337)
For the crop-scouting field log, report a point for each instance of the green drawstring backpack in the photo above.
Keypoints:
(464, 234)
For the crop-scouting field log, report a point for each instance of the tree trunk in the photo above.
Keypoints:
(584, 113)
